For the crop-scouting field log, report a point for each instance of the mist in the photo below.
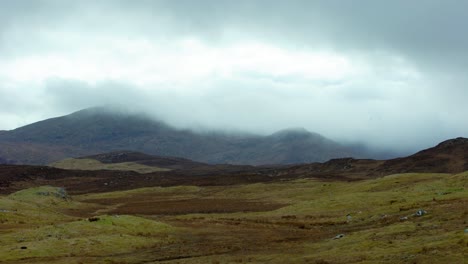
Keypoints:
(390, 75)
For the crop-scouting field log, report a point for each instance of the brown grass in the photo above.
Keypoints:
(90, 164)
(281, 222)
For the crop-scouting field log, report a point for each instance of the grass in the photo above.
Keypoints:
(91, 164)
(108, 236)
(34, 219)
(181, 191)
(381, 227)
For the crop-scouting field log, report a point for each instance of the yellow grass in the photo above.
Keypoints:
(90, 164)
(300, 232)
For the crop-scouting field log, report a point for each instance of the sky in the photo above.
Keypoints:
(391, 74)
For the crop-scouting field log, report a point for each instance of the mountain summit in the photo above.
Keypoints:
(98, 130)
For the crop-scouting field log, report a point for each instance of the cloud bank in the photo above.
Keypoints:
(390, 74)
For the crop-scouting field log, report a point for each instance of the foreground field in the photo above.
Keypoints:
(288, 221)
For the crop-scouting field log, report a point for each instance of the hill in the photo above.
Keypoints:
(97, 173)
(339, 211)
(98, 130)
(172, 163)
(450, 156)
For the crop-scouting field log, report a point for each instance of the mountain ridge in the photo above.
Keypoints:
(97, 130)
(187, 172)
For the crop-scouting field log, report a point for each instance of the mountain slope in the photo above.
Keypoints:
(172, 163)
(449, 156)
(186, 172)
(99, 130)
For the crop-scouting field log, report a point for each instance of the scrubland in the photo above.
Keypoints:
(290, 221)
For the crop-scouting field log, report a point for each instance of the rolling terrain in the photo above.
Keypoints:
(131, 207)
(95, 173)
(289, 221)
(98, 130)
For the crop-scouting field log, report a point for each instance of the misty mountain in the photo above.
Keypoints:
(448, 156)
(97, 130)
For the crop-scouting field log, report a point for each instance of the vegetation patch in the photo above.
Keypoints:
(91, 164)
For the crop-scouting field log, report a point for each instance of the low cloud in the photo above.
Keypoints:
(387, 74)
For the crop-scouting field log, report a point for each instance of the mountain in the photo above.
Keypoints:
(97, 130)
(4, 161)
(450, 156)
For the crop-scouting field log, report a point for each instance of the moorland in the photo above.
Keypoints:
(128, 207)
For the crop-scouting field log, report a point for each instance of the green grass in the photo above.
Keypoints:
(185, 191)
(34, 218)
(109, 235)
(314, 212)
(375, 233)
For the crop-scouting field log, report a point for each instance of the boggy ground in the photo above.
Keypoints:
(284, 221)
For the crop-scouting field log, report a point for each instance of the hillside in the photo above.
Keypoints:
(99, 130)
(172, 163)
(90, 164)
(449, 156)
(403, 218)
(97, 173)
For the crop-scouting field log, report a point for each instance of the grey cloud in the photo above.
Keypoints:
(388, 109)
(404, 124)
(425, 31)
(420, 27)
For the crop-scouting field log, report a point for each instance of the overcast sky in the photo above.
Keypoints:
(388, 73)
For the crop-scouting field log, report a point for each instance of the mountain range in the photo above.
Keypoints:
(450, 156)
(123, 170)
(98, 130)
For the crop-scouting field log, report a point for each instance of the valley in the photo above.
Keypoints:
(99, 209)
(224, 132)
